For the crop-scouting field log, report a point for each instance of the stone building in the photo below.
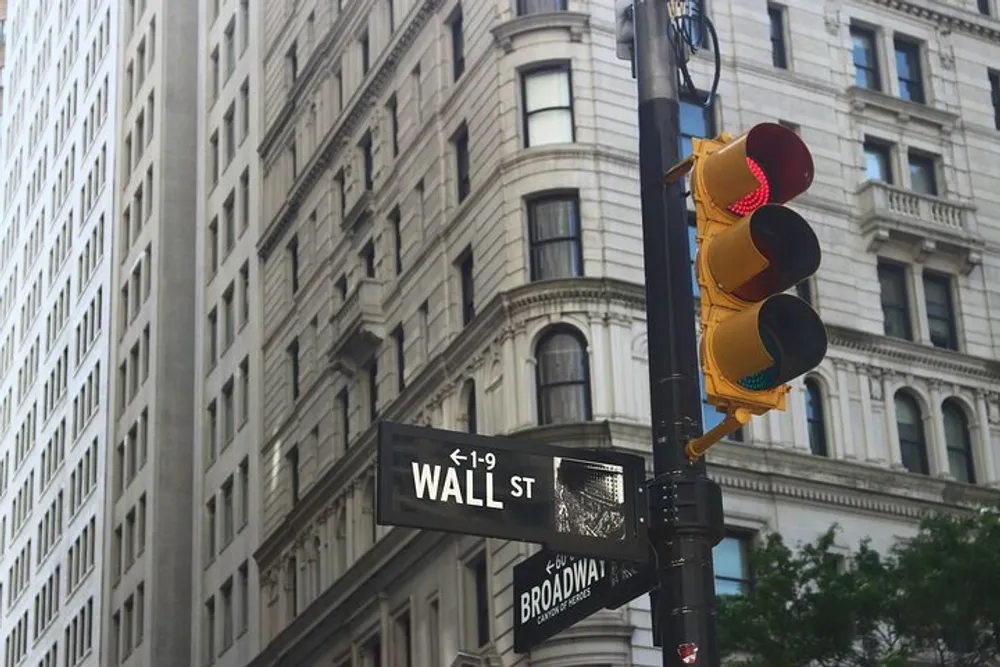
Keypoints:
(450, 236)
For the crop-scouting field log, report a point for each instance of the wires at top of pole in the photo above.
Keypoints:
(689, 29)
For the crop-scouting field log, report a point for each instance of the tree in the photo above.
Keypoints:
(936, 596)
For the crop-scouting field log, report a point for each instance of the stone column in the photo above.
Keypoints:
(869, 382)
(843, 410)
(938, 449)
(892, 382)
(986, 416)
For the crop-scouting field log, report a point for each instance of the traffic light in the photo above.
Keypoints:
(751, 248)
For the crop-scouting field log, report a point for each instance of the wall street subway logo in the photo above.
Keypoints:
(569, 583)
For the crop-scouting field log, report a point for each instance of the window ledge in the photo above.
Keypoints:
(359, 212)
(861, 99)
(576, 23)
(929, 224)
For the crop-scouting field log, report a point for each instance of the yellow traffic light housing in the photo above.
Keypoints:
(751, 248)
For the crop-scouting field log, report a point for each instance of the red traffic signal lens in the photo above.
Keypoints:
(758, 197)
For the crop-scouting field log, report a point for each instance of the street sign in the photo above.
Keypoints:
(553, 591)
(574, 500)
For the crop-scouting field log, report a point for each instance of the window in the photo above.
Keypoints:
(244, 390)
(434, 631)
(526, 7)
(403, 641)
(368, 259)
(292, 462)
(895, 300)
(393, 108)
(215, 73)
(467, 286)
(994, 78)
(228, 519)
(369, 160)
(293, 159)
(940, 311)
(910, 425)
(292, 587)
(292, 61)
(293, 263)
(209, 628)
(878, 161)
(371, 652)
(229, 132)
(477, 601)
(779, 57)
(230, 45)
(210, 528)
(397, 238)
(562, 377)
(244, 598)
(554, 237)
(814, 418)
(228, 414)
(457, 44)
(695, 121)
(244, 24)
(958, 442)
(909, 71)
(732, 565)
(345, 418)
(226, 593)
(399, 345)
(245, 199)
(214, 157)
(984, 7)
(365, 44)
(213, 432)
(548, 106)
(471, 422)
(244, 491)
(923, 174)
(244, 294)
(293, 363)
(461, 143)
(213, 336)
(866, 70)
(372, 389)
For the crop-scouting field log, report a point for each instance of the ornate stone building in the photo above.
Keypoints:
(451, 236)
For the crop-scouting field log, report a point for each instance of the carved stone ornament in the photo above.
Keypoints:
(875, 385)
(831, 18)
(946, 51)
(993, 407)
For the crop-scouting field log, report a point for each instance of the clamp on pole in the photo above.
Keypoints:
(735, 418)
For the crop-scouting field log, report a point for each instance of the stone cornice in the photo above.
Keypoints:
(950, 17)
(909, 353)
(333, 143)
(575, 22)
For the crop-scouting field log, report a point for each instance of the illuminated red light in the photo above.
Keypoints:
(758, 197)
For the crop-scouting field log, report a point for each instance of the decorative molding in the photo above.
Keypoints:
(576, 23)
(946, 16)
(860, 99)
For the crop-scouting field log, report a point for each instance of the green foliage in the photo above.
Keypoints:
(936, 596)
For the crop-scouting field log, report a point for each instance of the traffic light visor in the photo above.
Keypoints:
(767, 345)
(769, 164)
(767, 252)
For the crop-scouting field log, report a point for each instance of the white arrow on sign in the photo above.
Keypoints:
(457, 457)
(548, 567)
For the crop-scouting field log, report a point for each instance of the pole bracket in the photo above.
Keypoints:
(735, 419)
(685, 503)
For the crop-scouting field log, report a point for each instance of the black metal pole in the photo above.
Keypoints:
(686, 518)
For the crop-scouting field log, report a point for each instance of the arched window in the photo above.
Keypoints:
(292, 587)
(469, 406)
(554, 236)
(815, 419)
(340, 546)
(912, 444)
(958, 442)
(562, 377)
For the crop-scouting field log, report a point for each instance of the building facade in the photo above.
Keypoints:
(224, 629)
(451, 236)
(149, 447)
(58, 138)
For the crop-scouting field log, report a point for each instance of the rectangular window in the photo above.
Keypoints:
(245, 199)
(403, 641)
(696, 121)
(397, 238)
(909, 70)
(462, 167)
(548, 106)
(293, 159)
(365, 43)
(895, 300)
(292, 462)
(393, 108)
(226, 594)
(214, 157)
(554, 237)
(244, 109)
(229, 39)
(368, 157)
(244, 390)
(213, 432)
(228, 520)
(292, 62)
(732, 565)
(244, 24)
(467, 287)
(476, 587)
(244, 491)
(228, 413)
(345, 418)
(866, 69)
(878, 161)
(984, 7)
(373, 390)
(779, 57)
(457, 44)
(215, 73)
(940, 310)
(293, 363)
(209, 628)
(923, 173)
(244, 294)
(229, 133)
(399, 345)
(994, 78)
(229, 223)
(526, 7)
(244, 620)
(293, 263)
(210, 529)
(213, 337)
